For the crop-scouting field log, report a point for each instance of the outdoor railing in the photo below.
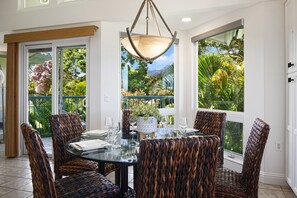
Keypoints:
(157, 101)
(40, 107)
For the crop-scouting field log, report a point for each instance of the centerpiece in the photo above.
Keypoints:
(146, 115)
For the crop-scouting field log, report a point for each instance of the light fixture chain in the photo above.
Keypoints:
(155, 19)
(137, 16)
(162, 18)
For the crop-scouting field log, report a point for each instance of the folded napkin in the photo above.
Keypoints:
(190, 130)
(89, 145)
(95, 133)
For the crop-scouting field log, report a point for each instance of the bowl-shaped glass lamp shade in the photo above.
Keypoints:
(149, 47)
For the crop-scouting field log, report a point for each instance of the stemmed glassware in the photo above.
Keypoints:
(108, 125)
(163, 121)
(115, 134)
(183, 125)
(133, 142)
(132, 121)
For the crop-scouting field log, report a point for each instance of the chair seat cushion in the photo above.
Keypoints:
(77, 165)
(229, 184)
(87, 184)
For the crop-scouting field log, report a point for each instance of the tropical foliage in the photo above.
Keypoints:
(145, 110)
(142, 83)
(40, 89)
(221, 83)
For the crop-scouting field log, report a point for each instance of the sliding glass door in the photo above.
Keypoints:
(54, 77)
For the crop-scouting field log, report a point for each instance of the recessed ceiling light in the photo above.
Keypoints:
(186, 19)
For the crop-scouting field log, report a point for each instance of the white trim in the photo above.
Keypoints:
(23, 85)
(232, 116)
(23, 77)
(265, 177)
(232, 164)
(195, 80)
(273, 178)
(167, 111)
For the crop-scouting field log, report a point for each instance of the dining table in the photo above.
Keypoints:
(123, 154)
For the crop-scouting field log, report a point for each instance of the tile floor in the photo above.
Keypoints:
(15, 180)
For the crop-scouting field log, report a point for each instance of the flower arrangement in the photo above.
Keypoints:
(145, 110)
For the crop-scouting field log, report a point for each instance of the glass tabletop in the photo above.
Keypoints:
(126, 151)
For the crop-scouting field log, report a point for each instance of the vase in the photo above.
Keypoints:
(148, 125)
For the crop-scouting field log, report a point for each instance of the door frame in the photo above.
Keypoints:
(23, 77)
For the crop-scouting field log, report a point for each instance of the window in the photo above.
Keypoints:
(35, 3)
(221, 81)
(152, 83)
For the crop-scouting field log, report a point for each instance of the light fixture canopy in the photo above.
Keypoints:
(148, 47)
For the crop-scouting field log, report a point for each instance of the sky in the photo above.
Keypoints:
(164, 60)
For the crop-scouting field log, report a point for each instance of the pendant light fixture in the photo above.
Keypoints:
(148, 47)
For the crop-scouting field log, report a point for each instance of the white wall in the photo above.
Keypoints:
(105, 91)
(11, 18)
(264, 65)
(264, 78)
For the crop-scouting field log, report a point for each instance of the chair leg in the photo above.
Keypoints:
(117, 177)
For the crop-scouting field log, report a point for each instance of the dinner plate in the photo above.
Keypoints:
(95, 133)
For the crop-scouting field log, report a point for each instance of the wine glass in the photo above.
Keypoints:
(132, 121)
(108, 122)
(108, 125)
(115, 135)
(183, 124)
(133, 142)
(163, 121)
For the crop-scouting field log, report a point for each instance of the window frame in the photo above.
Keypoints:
(167, 111)
(232, 116)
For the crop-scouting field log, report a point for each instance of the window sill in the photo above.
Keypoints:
(233, 161)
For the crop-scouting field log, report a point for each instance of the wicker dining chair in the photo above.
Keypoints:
(125, 121)
(181, 167)
(232, 184)
(65, 127)
(87, 184)
(212, 123)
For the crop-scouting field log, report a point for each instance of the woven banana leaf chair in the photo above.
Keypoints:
(125, 122)
(87, 184)
(245, 184)
(212, 123)
(176, 168)
(65, 127)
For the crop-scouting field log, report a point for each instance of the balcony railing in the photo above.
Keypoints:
(157, 101)
(40, 108)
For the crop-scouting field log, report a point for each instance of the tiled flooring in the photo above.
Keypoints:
(15, 180)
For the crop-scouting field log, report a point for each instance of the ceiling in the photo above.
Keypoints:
(200, 11)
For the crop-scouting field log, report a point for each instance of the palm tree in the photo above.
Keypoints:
(220, 83)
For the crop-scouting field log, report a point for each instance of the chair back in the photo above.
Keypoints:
(177, 167)
(253, 156)
(42, 177)
(64, 127)
(212, 123)
(125, 121)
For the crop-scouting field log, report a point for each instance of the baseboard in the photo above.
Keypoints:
(267, 178)
(273, 178)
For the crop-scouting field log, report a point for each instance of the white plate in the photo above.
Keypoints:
(95, 133)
